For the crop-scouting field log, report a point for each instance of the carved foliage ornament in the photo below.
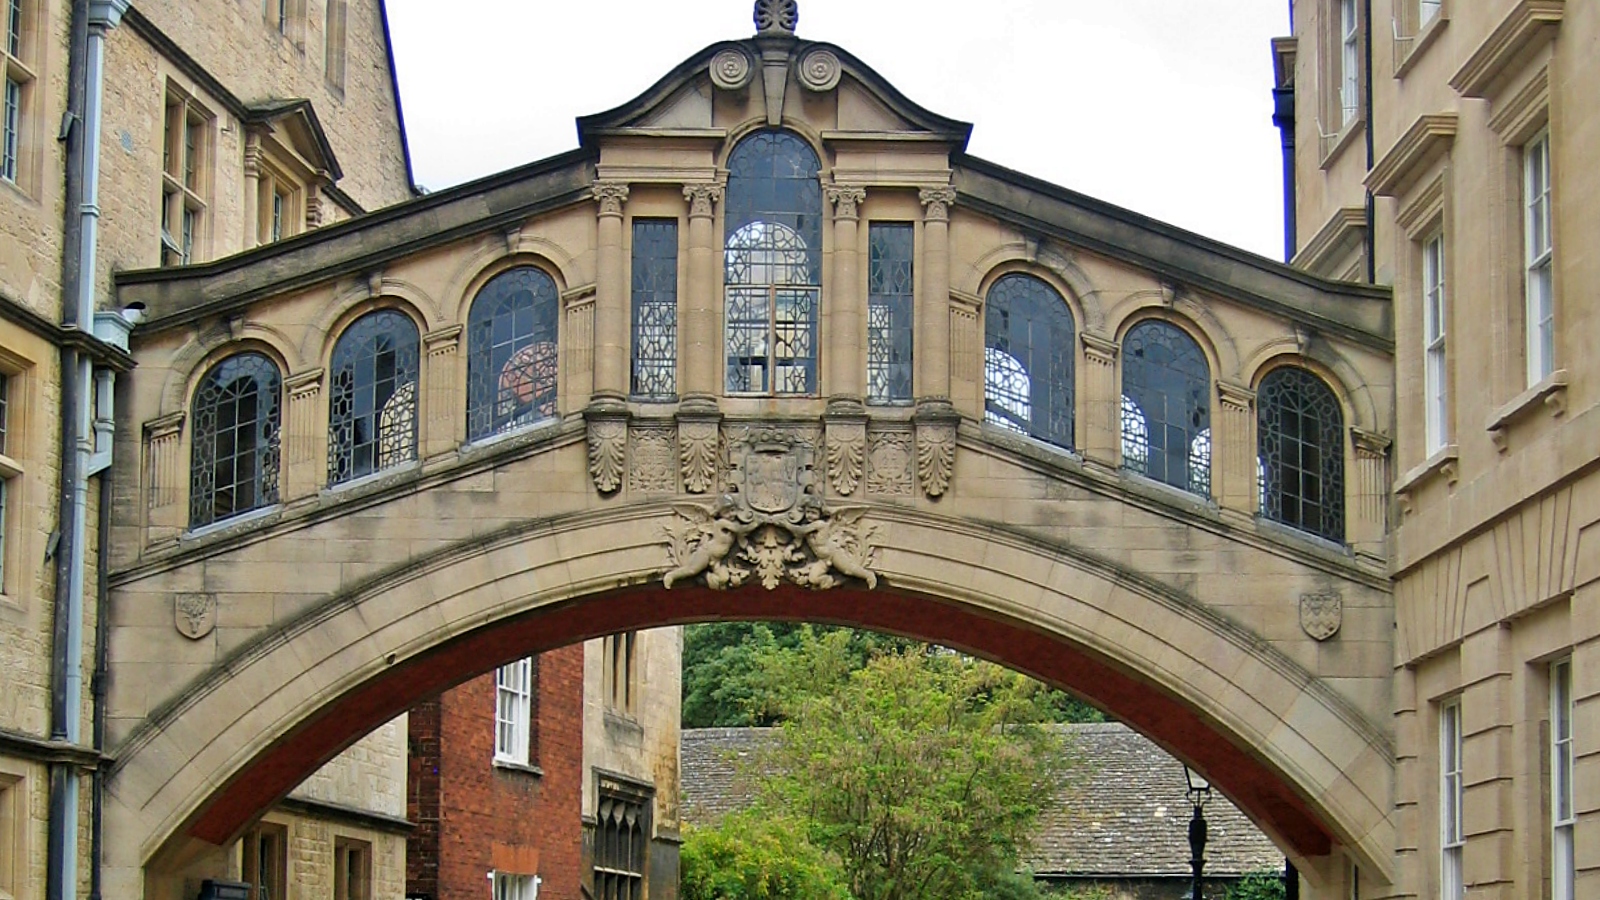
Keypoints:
(608, 449)
(936, 456)
(771, 527)
(846, 450)
(1321, 615)
(697, 452)
(610, 195)
(776, 16)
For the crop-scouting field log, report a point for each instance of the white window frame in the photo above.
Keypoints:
(1427, 11)
(512, 886)
(513, 711)
(1349, 62)
(185, 177)
(1538, 256)
(1452, 885)
(1435, 317)
(1563, 815)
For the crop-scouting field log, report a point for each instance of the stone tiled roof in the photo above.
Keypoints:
(1125, 816)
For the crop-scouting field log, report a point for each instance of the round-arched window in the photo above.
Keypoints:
(1028, 356)
(233, 460)
(1166, 407)
(372, 396)
(512, 364)
(1300, 432)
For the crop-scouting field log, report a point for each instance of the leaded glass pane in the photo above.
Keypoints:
(1028, 359)
(889, 312)
(773, 265)
(511, 352)
(1166, 381)
(655, 308)
(234, 444)
(1301, 433)
(372, 399)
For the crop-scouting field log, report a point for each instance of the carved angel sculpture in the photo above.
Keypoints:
(703, 544)
(837, 542)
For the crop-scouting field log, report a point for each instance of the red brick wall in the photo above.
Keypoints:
(488, 816)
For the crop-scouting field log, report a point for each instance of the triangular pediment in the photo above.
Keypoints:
(776, 78)
(293, 125)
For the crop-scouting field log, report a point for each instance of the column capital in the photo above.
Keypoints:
(845, 199)
(1235, 397)
(1097, 349)
(702, 198)
(938, 202)
(611, 195)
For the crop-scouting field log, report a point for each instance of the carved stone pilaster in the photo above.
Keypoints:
(304, 433)
(846, 449)
(936, 447)
(610, 195)
(698, 448)
(607, 426)
(937, 202)
(701, 335)
(441, 350)
(578, 345)
(1233, 449)
(1101, 403)
(163, 466)
(703, 199)
(1369, 490)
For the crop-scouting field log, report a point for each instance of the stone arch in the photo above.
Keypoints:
(1193, 317)
(797, 126)
(490, 260)
(1329, 364)
(350, 305)
(1302, 761)
(1047, 262)
(206, 349)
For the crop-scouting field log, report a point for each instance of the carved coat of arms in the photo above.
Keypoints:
(771, 526)
(1321, 615)
(194, 614)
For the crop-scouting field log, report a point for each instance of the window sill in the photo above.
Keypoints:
(1289, 532)
(238, 520)
(372, 477)
(1445, 462)
(511, 765)
(1342, 142)
(1421, 41)
(1551, 393)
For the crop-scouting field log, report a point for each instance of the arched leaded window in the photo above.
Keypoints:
(1300, 429)
(233, 463)
(773, 261)
(372, 396)
(1028, 353)
(1166, 407)
(511, 352)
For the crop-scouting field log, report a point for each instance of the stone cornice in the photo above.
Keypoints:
(1424, 143)
(1529, 25)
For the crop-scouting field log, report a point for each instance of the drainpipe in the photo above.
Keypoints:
(1283, 117)
(1371, 204)
(85, 444)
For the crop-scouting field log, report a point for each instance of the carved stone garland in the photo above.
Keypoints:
(771, 526)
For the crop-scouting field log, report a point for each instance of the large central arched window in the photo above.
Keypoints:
(773, 264)
(1166, 407)
(234, 453)
(1301, 432)
(511, 352)
(1028, 351)
(372, 401)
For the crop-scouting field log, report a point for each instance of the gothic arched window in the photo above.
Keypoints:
(1166, 407)
(511, 352)
(1028, 353)
(773, 262)
(372, 396)
(234, 448)
(1300, 429)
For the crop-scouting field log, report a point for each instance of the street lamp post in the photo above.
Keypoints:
(1199, 791)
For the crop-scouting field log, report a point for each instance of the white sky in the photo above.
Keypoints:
(1161, 106)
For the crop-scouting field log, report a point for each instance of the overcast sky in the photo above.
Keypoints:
(1161, 106)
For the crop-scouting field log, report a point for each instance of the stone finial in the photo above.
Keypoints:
(776, 16)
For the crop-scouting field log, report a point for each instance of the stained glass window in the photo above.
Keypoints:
(655, 308)
(773, 262)
(1166, 407)
(889, 312)
(234, 445)
(372, 401)
(1301, 433)
(511, 352)
(1028, 355)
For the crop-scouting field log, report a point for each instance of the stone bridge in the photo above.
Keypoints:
(768, 345)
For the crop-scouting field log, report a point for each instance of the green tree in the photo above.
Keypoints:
(753, 856)
(1258, 886)
(919, 771)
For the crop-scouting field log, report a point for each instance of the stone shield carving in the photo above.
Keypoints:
(1321, 615)
(771, 527)
(195, 614)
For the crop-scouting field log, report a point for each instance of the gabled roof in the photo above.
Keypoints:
(1127, 816)
(785, 50)
(298, 119)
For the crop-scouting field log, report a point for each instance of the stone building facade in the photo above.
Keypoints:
(1446, 148)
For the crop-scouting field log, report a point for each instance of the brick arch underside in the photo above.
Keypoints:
(365, 657)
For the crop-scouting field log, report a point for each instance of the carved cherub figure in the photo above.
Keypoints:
(837, 543)
(704, 543)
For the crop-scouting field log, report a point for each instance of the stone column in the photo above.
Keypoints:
(164, 465)
(932, 339)
(303, 457)
(846, 371)
(698, 337)
(1366, 489)
(445, 427)
(252, 190)
(611, 296)
(1233, 451)
(1101, 402)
